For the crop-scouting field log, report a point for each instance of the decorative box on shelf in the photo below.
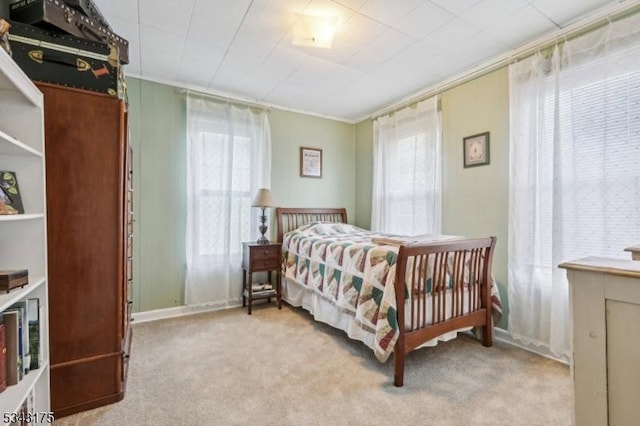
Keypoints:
(13, 279)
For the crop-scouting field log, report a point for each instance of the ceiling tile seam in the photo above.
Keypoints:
(456, 15)
(329, 95)
(344, 5)
(545, 15)
(415, 41)
(377, 21)
(339, 88)
(529, 4)
(186, 38)
(226, 52)
(346, 60)
(520, 9)
(284, 80)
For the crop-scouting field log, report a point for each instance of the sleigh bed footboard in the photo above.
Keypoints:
(448, 286)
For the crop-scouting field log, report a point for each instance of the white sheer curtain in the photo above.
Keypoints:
(574, 171)
(228, 159)
(407, 162)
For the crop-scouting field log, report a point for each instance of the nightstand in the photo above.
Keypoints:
(260, 258)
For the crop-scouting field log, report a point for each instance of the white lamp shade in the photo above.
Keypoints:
(263, 198)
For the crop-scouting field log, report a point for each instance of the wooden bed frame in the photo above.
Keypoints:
(449, 259)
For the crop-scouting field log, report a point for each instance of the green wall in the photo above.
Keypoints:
(337, 187)
(157, 118)
(364, 173)
(475, 200)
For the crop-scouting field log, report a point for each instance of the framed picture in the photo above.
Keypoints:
(476, 150)
(310, 162)
(10, 198)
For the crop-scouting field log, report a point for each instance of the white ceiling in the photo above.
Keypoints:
(383, 51)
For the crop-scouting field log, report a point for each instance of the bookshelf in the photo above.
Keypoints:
(23, 237)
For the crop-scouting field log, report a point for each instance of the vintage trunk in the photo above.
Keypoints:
(90, 10)
(86, 150)
(66, 60)
(55, 15)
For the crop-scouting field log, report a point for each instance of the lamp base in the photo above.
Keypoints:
(263, 228)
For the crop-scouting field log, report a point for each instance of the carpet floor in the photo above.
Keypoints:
(279, 367)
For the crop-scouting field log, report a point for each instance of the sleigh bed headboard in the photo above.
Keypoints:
(289, 219)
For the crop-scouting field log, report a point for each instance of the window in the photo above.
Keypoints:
(406, 187)
(574, 180)
(222, 158)
(228, 159)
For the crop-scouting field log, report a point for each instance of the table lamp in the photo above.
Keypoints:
(263, 200)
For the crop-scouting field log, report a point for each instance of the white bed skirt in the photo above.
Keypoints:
(326, 312)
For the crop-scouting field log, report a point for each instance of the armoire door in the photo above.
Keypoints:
(85, 153)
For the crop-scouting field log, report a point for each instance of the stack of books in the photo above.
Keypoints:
(20, 341)
(261, 288)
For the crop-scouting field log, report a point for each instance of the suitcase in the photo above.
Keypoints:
(90, 10)
(66, 60)
(57, 16)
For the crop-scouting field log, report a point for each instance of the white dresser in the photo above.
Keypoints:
(605, 306)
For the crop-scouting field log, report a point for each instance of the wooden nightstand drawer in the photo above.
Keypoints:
(264, 253)
(260, 256)
(258, 265)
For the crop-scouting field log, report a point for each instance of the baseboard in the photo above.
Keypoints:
(177, 311)
(89, 405)
(504, 336)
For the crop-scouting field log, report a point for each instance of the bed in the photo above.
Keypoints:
(368, 284)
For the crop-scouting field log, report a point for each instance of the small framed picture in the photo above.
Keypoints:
(476, 150)
(310, 162)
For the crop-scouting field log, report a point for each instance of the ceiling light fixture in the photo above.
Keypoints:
(314, 31)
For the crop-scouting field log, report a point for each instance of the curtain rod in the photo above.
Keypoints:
(248, 103)
(581, 27)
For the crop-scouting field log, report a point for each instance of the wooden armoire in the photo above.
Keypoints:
(89, 231)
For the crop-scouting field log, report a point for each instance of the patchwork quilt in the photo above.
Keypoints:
(342, 264)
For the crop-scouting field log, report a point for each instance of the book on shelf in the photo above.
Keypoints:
(264, 292)
(3, 360)
(24, 335)
(10, 194)
(33, 317)
(11, 322)
(258, 287)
